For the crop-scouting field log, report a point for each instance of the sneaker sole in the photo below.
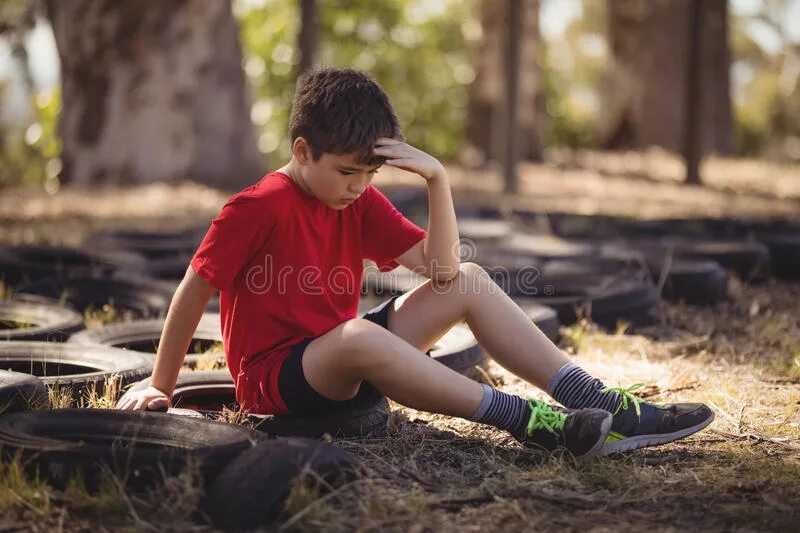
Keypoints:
(643, 441)
(605, 427)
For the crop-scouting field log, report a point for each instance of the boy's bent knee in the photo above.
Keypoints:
(359, 334)
(470, 270)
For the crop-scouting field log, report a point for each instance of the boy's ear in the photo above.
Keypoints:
(301, 151)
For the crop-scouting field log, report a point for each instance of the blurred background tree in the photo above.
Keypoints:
(152, 91)
(440, 62)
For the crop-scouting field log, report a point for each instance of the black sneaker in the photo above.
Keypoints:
(638, 424)
(582, 431)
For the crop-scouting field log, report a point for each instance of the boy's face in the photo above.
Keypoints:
(337, 179)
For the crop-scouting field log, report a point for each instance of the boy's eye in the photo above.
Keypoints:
(346, 173)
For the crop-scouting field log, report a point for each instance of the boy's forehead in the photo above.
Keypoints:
(353, 160)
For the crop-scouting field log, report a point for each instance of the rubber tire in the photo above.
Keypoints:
(694, 282)
(610, 298)
(125, 334)
(137, 298)
(49, 322)
(150, 244)
(21, 392)
(459, 350)
(63, 442)
(369, 419)
(166, 273)
(748, 259)
(28, 264)
(103, 363)
(784, 252)
(545, 318)
(215, 383)
(252, 489)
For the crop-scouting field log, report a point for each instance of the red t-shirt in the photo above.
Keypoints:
(289, 268)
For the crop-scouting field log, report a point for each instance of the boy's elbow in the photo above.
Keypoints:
(442, 273)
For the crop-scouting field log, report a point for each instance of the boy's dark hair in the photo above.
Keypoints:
(342, 111)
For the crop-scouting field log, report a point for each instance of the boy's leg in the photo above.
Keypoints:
(423, 315)
(501, 327)
(335, 363)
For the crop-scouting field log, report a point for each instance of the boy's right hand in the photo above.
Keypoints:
(150, 399)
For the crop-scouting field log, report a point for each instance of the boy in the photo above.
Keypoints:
(286, 255)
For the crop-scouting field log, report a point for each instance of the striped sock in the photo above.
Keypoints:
(501, 410)
(573, 388)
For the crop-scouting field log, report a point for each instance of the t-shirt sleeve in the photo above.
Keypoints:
(386, 233)
(236, 234)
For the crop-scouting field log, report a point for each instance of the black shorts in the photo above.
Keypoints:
(302, 400)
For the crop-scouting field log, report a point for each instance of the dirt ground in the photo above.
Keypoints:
(433, 473)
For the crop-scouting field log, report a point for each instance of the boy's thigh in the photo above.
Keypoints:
(320, 375)
(303, 400)
(422, 316)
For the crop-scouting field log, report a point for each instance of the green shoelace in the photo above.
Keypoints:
(627, 396)
(543, 417)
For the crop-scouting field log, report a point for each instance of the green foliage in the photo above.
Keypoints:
(568, 124)
(767, 103)
(570, 72)
(31, 156)
(414, 48)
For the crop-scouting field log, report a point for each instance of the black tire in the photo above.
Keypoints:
(142, 337)
(150, 244)
(134, 445)
(30, 321)
(28, 264)
(371, 418)
(749, 260)
(131, 299)
(210, 391)
(204, 391)
(459, 350)
(252, 489)
(165, 271)
(606, 299)
(784, 252)
(545, 318)
(692, 282)
(21, 392)
(74, 367)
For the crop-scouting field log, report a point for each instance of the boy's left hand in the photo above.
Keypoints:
(401, 155)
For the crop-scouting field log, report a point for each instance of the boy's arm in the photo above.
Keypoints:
(438, 254)
(183, 316)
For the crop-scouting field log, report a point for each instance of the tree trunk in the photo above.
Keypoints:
(486, 129)
(153, 91)
(645, 89)
(308, 40)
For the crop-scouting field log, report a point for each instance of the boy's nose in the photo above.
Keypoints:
(359, 186)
